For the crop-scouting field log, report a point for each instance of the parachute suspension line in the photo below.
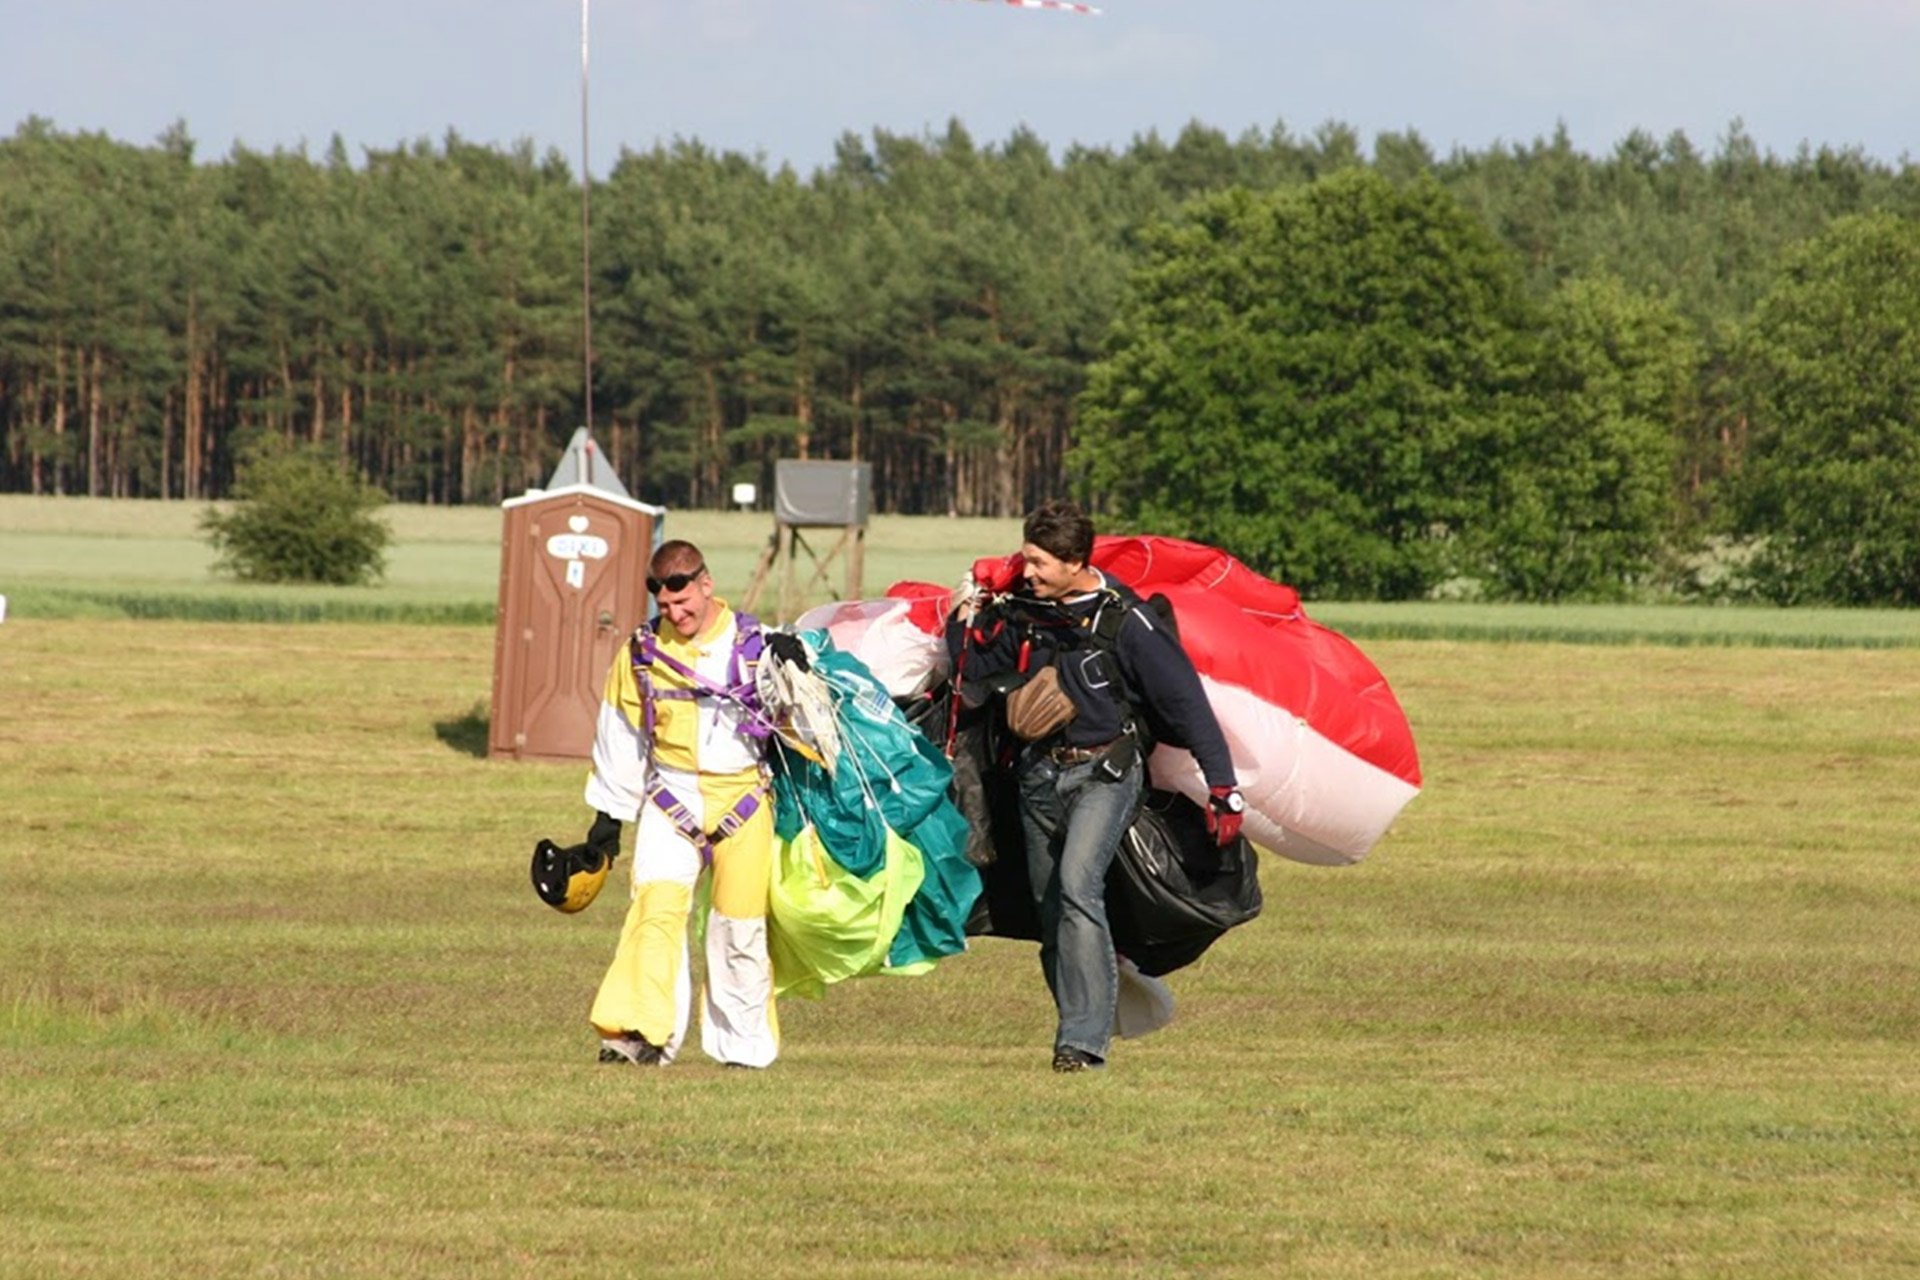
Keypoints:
(803, 699)
(867, 793)
(850, 734)
(851, 737)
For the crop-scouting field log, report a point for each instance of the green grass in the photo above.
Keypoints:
(82, 557)
(94, 558)
(1633, 989)
(1663, 624)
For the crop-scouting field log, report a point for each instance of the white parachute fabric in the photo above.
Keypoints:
(884, 637)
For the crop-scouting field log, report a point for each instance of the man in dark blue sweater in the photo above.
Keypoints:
(1099, 665)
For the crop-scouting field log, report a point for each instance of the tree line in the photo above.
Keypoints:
(933, 305)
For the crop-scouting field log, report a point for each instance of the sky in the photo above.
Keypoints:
(783, 80)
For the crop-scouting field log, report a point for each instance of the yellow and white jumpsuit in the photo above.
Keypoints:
(700, 754)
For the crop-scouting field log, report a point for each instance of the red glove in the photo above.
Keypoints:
(1225, 808)
(997, 574)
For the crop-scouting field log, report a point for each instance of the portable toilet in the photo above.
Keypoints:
(573, 567)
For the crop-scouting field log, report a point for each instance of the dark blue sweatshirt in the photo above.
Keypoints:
(1151, 664)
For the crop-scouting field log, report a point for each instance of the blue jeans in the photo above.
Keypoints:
(1074, 819)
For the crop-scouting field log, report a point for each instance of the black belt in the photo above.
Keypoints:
(1079, 755)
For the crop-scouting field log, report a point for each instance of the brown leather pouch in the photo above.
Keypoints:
(1040, 707)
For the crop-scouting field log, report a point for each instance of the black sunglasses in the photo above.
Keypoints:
(674, 581)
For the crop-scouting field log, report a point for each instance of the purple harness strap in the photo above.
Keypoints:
(644, 650)
(682, 818)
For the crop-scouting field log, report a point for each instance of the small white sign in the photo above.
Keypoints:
(576, 546)
(576, 574)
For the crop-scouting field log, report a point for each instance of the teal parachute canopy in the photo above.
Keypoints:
(884, 820)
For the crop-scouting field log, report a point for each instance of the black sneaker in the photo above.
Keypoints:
(1075, 1060)
(634, 1048)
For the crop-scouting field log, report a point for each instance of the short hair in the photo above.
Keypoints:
(676, 557)
(1062, 530)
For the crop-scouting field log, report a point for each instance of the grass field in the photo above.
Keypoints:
(80, 557)
(1633, 989)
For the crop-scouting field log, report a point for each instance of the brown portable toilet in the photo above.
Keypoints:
(573, 567)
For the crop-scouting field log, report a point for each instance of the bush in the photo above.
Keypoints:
(300, 516)
(1315, 379)
(1828, 495)
(1345, 385)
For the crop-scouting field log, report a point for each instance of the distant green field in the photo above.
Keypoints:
(1663, 624)
(81, 557)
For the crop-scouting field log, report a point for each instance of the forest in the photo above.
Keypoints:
(978, 320)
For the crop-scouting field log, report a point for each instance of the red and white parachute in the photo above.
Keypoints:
(1320, 745)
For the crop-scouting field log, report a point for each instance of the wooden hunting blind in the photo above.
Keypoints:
(814, 495)
(573, 567)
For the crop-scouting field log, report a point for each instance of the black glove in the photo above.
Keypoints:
(789, 649)
(603, 837)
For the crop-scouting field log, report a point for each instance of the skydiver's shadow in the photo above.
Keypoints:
(468, 733)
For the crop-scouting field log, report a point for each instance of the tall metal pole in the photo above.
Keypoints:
(586, 226)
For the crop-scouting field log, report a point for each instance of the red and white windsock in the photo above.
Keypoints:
(1064, 6)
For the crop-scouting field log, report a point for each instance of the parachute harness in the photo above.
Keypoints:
(741, 689)
(1102, 628)
(683, 819)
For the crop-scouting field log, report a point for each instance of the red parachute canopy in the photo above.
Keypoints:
(1321, 746)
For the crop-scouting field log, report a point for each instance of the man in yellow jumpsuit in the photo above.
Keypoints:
(680, 748)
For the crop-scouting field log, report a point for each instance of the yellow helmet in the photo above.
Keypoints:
(569, 879)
